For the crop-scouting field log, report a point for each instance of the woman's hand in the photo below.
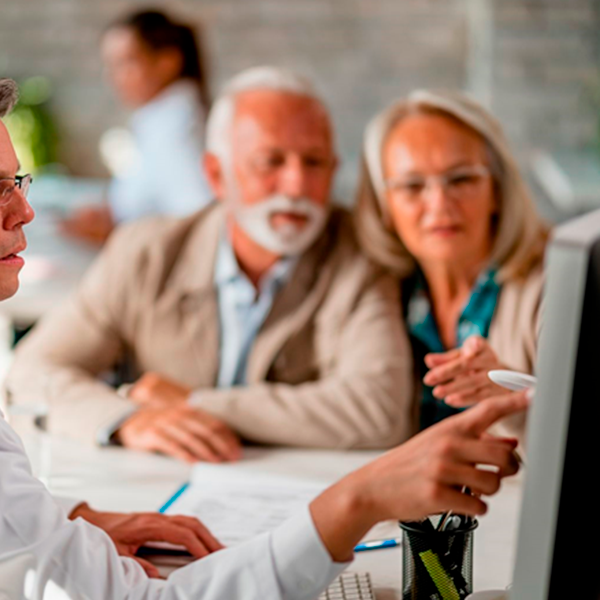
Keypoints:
(460, 376)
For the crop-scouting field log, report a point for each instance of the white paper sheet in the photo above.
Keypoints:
(237, 504)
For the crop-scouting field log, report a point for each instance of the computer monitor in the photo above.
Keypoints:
(558, 552)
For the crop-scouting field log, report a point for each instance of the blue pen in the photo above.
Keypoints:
(378, 544)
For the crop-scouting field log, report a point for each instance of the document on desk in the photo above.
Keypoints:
(236, 504)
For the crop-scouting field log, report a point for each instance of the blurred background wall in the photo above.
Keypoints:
(533, 62)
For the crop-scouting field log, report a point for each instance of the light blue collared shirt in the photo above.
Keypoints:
(242, 311)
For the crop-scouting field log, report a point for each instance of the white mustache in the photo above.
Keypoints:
(288, 240)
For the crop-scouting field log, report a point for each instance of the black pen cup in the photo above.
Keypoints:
(437, 565)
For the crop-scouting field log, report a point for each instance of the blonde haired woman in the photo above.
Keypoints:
(443, 206)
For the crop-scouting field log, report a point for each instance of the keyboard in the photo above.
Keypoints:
(350, 586)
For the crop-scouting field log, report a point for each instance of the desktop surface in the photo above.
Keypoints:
(122, 480)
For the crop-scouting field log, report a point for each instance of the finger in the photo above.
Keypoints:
(193, 444)
(478, 481)
(481, 417)
(434, 359)
(150, 569)
(507, 440)
(176, 534)
(472, 397)
(162, 442)
(463, 364)
(473, 346)
(463, 383)
(445, 372)
(201, 531)
(449, 498)
(490, 452)
(222, 441)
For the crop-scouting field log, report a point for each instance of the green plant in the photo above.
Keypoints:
(31, 125)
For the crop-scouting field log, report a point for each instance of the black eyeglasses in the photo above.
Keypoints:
(8, 185)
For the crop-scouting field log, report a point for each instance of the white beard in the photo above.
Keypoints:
(288, 240)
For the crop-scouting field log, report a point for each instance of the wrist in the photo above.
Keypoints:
(342, 517)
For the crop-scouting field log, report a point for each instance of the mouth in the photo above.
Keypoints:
(13, 257)
(445, 230)
(285, 219)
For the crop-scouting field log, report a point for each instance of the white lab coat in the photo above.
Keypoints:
(166, 177)
(47, 556)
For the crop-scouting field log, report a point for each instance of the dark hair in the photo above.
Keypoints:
(8, 96)
(157, 31)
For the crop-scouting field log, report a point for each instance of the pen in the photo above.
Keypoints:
(377, 544)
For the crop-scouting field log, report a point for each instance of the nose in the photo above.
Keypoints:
(293, 178)
(17, 213)
(436, 195)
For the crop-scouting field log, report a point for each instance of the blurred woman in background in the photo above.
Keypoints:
(156, 69)
(442, 205)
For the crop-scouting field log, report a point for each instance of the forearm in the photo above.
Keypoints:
(58, 364)
(80, 405)
(341, 411)
(342, 518)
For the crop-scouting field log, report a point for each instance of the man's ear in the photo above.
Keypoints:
(213, 170)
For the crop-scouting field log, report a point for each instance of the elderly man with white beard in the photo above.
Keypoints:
(255, 319)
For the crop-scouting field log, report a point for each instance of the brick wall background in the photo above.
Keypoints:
(531, 61)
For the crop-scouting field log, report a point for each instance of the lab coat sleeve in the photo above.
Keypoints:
(68, 505)
(81, 561)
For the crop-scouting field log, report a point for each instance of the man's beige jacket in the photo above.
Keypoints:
(331, 366)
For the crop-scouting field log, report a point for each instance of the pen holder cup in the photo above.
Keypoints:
(437, 565)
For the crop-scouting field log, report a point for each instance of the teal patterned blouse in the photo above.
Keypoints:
(475, 319)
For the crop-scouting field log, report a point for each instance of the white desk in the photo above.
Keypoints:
(116, 479)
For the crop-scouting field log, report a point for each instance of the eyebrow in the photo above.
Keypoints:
(457, 165)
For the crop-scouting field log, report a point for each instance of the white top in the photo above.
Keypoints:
(290, 563)
(167, 176)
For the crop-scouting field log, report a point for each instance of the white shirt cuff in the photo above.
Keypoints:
(302, 563)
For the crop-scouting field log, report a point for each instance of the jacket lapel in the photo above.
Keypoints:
(193, 280)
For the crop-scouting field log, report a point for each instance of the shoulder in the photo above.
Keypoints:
(525, 290)
(156, 242)
(176, 112)
(349, 271)
(515, 326)
(342, 243)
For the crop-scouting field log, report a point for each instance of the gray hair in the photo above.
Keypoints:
(9, 94)
(220, 118)
(520, 234)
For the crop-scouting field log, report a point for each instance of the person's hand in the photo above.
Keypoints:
(421, 477)
(152, 389)
(90, 223)
(131, 531)
(182, 431)
(460, 376)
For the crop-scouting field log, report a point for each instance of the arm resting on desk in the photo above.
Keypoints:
(80, 559)
(365, 400)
